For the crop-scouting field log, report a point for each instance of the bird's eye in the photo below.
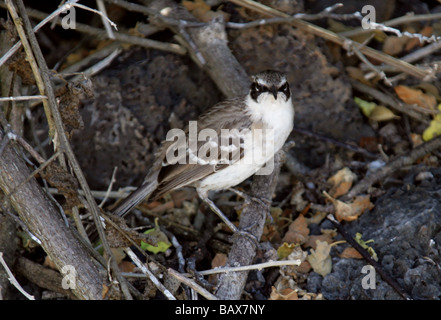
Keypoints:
(284, 88)
(257, 87)
(256, 90)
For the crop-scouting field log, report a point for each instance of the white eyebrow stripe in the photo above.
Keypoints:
(263, 82)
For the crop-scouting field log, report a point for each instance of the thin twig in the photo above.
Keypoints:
(407, 18)
(109, 189)
(338, 39)
(17, 46)
(203, 292)
(389, 101)
(150, 275)
(12, 279)
(102, 9)
(102, 15)
(399, 162)
(22, 98)
(119, 36)
(258, 266)
(326, 13)
(368, 258)
(32, 62)
(120, 194)
(93, 70)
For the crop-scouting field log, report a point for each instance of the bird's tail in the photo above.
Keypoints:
(144, 191)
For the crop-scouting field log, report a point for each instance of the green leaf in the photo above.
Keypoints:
(434, 128)
(162, 241)
(285, 250)
(365, 106)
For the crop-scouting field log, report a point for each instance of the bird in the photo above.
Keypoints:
(227, 144)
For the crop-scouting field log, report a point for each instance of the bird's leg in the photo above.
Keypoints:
(221, 215)
(265, 203)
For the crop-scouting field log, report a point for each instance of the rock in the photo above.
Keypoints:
(406, 228)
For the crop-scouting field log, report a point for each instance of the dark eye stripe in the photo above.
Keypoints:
(284, 88)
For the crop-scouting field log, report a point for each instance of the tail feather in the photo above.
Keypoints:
(144, 191)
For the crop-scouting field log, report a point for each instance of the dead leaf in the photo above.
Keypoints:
(320, 259)
(429, 88)
(202, 11)
(351, 253)
(357, 74)
(284, 294)
(219, 260)
(415, 96)
(126, 266)
(393, 45)
(375, 112)
(298, 231)
(381, 113)
(312, 241)
(350, 211)
(341, 182)
(416, 139)
(415, 42)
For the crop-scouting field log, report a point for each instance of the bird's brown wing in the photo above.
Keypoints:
(230, 114)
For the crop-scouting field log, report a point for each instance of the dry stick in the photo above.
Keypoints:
(148, 273)
(45, 87)
(33, 64)
(394, 22)
(389, 101)
(22, 98)
(367, 257)
(106, 23)
(203, 292)
(12, 279)
(343, 41)
(122, 37)
(258, 266)
(54, 14)
(399, 162)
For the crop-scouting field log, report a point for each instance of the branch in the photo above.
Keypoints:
(203, 292)
(340, 40)
(391, 167)
(149, 274)
(12, 279)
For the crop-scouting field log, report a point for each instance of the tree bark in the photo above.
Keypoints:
(44, 221)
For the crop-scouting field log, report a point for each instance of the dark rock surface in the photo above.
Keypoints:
(406, 228)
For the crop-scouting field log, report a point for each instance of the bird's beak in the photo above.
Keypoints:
(274, 92)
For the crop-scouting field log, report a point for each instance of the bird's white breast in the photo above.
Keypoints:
(275, 120)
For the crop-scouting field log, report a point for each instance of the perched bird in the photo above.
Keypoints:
(227, 144)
